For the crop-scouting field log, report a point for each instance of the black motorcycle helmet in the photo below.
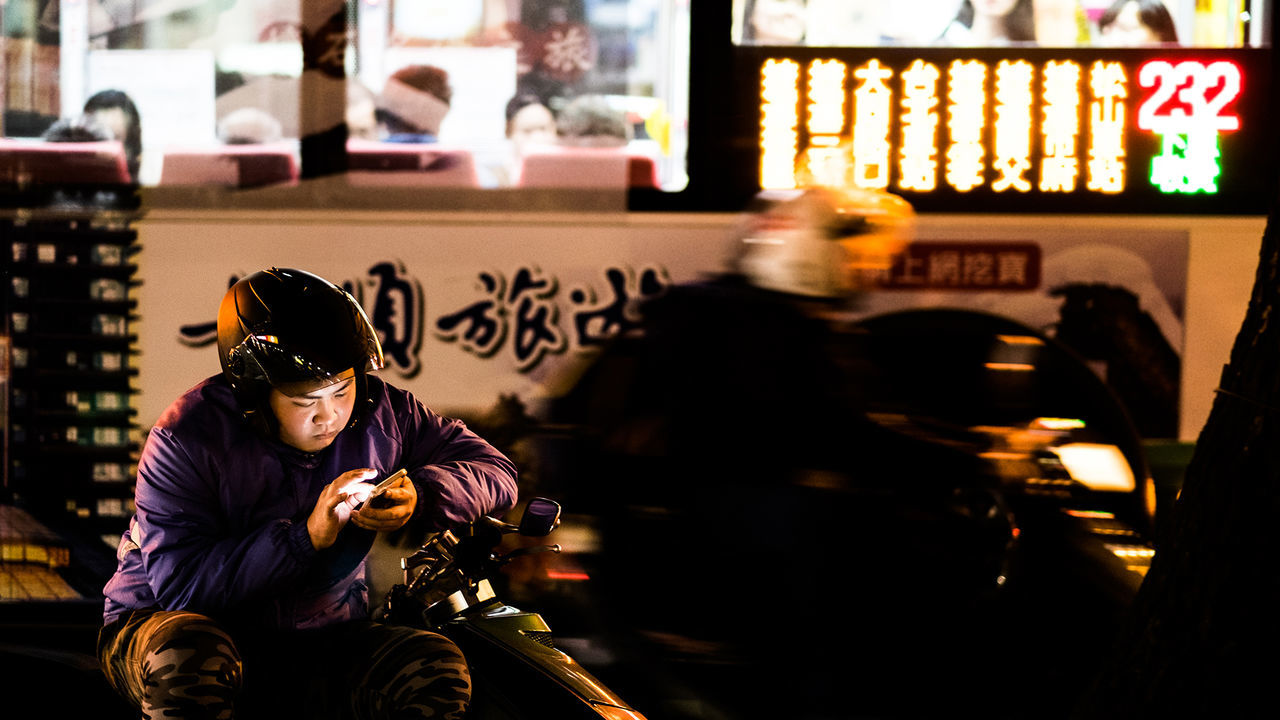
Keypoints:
(289, 329)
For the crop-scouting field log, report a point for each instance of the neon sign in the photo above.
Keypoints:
(1106, 127)
(871, 116)
(1013, 125)
(826, 121)
(779, 88)
(1186, 110)
(966, 100)
(1060, 130)
(918, 156)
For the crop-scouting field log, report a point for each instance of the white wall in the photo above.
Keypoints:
(188, 257)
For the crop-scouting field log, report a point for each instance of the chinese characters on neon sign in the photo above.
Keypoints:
(918, 156)
(1108, 85)
(1012, 126)
(780, 82)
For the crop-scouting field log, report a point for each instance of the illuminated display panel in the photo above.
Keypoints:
(1035, 129)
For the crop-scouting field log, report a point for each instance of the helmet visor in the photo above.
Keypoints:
(294, 371)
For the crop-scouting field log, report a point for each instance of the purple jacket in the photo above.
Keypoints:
(221, 528)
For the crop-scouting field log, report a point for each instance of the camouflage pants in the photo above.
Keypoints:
(182, 664)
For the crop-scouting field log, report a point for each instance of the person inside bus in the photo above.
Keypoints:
(590, 121)
(1136, 23)
(117, 111)
(1062, 23)
(241, 580)
(362, 111)
(774, 22)
(413, 104)
(78, 129)
(530, 124)
(984, 23)
(249, 126)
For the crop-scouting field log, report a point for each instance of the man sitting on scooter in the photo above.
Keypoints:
(241, 586)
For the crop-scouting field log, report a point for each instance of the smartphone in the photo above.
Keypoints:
(382, 487)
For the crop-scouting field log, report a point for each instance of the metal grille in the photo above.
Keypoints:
(540, 637)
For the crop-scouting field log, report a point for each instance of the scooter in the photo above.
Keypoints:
(516, 670)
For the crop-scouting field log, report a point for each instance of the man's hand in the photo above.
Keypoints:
(390, 510)
(335, 505)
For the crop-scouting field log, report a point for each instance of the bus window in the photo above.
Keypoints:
(1001, 23)
(189, 64)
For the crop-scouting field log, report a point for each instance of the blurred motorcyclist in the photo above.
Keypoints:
(728, 442)
(821, 243)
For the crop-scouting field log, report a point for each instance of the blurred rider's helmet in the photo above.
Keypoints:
(822, 242)
(293, 331)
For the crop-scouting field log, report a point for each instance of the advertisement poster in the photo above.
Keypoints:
(1115, 299)
(473, 312)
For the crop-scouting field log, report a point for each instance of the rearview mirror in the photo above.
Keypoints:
(541, 516)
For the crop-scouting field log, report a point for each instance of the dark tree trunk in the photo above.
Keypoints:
(1203, 639)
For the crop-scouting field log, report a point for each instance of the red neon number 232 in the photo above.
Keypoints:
(1206, 89)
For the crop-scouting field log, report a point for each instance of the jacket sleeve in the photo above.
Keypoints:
(459, 476)
(191, 560)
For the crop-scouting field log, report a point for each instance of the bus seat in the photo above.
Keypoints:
(409, 164)
(25, 162)
(241, 166)
(570, 167)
